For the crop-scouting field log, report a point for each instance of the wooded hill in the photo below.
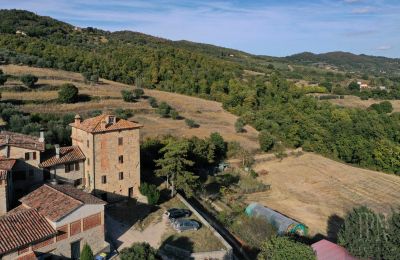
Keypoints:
(269, 100)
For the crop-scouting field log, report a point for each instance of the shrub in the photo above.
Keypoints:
(153, 102)
(151, 192)
(191, 123)
(279, 248)
(138, 93)
(87, 253)
(266, 141)
(128, 95)
(164, 109)
(3, 78)
(383, 107)
(138, 251)
(174, 114)
(239, 125)
(29, 80)
(68, 93)
(253, 230)
(123, 113)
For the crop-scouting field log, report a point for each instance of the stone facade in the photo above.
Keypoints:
(112, 166)
(71, 173)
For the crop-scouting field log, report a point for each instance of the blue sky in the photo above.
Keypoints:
(274, 27)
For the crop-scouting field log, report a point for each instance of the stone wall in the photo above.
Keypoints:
(70, 177)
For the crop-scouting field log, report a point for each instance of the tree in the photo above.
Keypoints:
(163, 109)
(363, 233)
(174, 165)
(150, 191)
(383, 107)
(68, 93)
(191, 123)
(266, 141)
(239, 125)
(138, 93)
(284, 248)
(138, 251)
(128, 95)
(393, 230)
(353, 86)
(87, 253)
(220, 145)
(29, 80)
(153, 102)
(3, 78)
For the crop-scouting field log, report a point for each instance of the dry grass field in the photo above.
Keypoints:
(356, 102)
(208, 114)
(311, 188)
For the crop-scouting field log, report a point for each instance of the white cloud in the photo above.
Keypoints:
(384, 47)
(362, 10)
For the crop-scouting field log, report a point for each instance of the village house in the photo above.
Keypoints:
(53, 221)
(112, 150)
(65, 165)
(19, 165)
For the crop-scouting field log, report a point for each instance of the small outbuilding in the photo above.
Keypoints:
(326, 250)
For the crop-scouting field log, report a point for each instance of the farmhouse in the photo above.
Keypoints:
(53, 220)
(112, 150)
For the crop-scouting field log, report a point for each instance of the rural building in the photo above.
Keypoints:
(65, 164)
(53, 220)
(19, 164)
(112, 150)
(325, 250)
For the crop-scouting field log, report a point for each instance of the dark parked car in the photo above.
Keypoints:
(177, 213)
(185, 224)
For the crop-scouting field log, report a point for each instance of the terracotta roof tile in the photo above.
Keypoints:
(94, 124)
(21, 140)
(18, 229)
(326, 250)
(67, 154)
(56, 201)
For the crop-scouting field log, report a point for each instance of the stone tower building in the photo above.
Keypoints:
(112, 150)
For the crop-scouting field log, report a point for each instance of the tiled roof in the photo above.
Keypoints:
(78, 194)
(67, 154)
(22, 228)
(56, 201)
(6, 165)
(94, 124)
(21, 140)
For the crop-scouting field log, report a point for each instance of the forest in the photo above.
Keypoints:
(268, 100)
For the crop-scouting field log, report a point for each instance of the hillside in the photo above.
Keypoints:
(263, 91)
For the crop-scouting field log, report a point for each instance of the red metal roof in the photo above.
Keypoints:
(326, 250)
(21, 228)
(94, 124)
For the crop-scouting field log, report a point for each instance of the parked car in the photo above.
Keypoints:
(185, 224)
(175, 213)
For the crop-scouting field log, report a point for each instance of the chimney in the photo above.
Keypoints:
(57, 147)
(103, 124)
(78, 119)
(41, 138)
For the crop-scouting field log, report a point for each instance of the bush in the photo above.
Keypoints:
(123, 113)
(164, 109)
(153, 102)
(128, 95)
(138, 93)
(191, 123)
(87, 253)
(239, 125)
(29, 80)
(279, 248)
(151, 192)
(174, 114)
(68, 93)
(383, 107)
(253, 230)
(138, 251)
(3, 78)
(266, 141)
